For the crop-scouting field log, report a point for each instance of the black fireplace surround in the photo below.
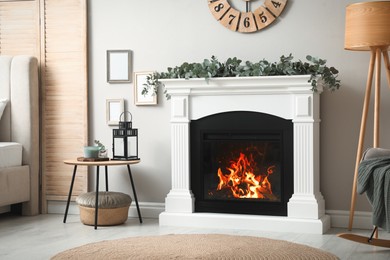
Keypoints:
(224, 141)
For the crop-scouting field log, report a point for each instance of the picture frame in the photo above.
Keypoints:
(114, 108)
(119, 66)
(139, 81)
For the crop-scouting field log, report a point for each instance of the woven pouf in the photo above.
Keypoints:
(113, 208)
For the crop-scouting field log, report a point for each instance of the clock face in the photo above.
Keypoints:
(246, 21)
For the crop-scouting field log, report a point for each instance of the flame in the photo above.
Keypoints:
(242, 181)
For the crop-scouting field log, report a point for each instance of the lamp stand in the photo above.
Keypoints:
(375, 62)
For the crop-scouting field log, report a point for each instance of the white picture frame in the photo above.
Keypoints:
(114, 108)
(139, 81)
(119, 66)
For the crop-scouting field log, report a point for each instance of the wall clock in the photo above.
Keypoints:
(248, 21)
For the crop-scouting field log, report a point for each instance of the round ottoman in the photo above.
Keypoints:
(113, 208)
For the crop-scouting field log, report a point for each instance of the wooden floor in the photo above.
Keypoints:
(41, 237)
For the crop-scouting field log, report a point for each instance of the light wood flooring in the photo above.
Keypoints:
(41, 237)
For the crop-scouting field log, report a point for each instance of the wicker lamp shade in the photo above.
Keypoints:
(367, 25)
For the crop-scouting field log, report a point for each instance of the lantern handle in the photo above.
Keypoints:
(131, 116)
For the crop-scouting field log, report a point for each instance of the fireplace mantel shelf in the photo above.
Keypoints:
(288, 97)
(240, 85)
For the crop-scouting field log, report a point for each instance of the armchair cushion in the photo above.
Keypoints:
(376, 153)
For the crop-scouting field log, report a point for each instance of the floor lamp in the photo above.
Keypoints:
(367, 28)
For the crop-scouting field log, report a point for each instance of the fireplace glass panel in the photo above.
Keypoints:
(242, 166)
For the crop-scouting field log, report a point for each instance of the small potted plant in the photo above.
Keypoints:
(102, 149)
(91, 151)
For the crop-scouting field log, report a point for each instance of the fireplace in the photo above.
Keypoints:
(241, 163)
(289, 98)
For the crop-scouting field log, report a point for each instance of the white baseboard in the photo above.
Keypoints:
(148, 209)
(339, 218)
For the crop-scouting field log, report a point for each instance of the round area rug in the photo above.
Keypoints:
(195, 246)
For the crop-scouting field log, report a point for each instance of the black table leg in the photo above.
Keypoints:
(106, 169)
(97, 196)
(135, 194)
(70, 193)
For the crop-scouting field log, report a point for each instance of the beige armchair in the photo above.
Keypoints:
(20, 123)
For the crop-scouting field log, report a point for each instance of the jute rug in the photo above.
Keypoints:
(203, 246)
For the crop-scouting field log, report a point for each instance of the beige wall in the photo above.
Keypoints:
(167, 33)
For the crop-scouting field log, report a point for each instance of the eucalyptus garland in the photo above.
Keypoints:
(233, 67)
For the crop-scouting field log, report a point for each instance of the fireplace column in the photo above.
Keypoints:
(180, 198)
(307, 201)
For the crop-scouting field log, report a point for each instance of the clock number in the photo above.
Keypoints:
(263, 18)
(276, 4)
(232, 17)
(247, 22)
(219, 7)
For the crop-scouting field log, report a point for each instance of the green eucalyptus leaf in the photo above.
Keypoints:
(233, 67)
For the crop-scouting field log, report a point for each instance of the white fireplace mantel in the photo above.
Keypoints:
(288, 97)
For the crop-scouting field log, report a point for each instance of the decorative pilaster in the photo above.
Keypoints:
(180, 198)
(307, 201)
